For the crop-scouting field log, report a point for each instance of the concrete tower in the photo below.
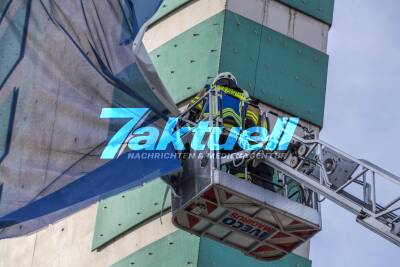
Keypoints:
(277, 51)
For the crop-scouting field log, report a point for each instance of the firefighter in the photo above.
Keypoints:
(257, 172)
(232, 107)
(233, 102)
(238, 109)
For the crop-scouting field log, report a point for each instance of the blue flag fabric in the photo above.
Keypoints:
(61, 63)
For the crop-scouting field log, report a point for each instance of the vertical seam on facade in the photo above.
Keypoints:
(34, 250)
(225, 12)
(259, 46)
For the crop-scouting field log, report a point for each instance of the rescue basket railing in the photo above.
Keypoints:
(319, 168)
(212, 100)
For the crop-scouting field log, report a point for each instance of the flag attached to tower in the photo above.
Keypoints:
(62, 62)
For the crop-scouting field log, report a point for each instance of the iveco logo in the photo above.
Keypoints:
(247, 225)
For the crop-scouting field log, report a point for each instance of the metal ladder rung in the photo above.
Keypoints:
(375, 216)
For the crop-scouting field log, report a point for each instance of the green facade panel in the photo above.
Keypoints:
(189, 61)
(240, 49)
(292, 77)
(178, 249)
(278, 70)
(218, 255)
(117, 214)
(181, 249)
(319, 9)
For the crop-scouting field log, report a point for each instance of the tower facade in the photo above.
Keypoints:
(277, 51)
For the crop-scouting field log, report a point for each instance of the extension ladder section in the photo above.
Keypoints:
(368, 191)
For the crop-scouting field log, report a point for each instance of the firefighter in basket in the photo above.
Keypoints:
(238, 110)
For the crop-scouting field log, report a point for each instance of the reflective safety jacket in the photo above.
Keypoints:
(254, 118)
(237, 111)
(233, 105)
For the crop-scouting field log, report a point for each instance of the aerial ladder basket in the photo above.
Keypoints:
(265, 219)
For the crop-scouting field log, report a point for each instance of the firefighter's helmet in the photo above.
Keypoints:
(225, 76)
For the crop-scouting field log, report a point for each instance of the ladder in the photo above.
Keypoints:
(351, 183)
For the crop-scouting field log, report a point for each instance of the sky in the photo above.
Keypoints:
(362, 117)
